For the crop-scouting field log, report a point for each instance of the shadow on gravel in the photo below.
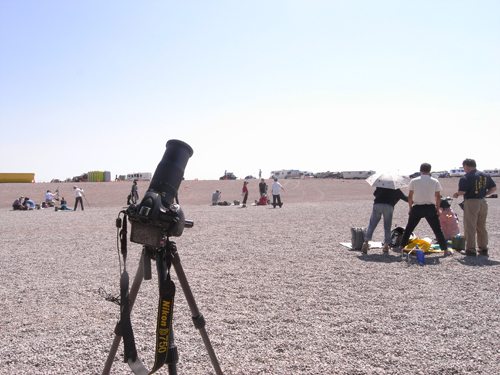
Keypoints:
(380, 258)
(480, 261)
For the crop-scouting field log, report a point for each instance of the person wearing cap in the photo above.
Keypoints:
(78, 197)
(245, 193)
(18, 204)
(216, 197)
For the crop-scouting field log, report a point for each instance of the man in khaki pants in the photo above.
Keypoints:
(475, 186)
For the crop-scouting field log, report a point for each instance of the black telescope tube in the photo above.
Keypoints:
(170, 171)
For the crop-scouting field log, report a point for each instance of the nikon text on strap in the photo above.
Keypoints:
(164, 319)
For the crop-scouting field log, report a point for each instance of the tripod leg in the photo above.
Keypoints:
(134, 290)
(198, 319)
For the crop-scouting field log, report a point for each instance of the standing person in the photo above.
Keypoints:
(245, 193)
(275, 187)
(475, 186)
(135, 192)
(424, 199)
(383, 205)
(260, 173)
(78, 197)
(262, 188)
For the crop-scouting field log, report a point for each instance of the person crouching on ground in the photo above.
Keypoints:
(383, 205)
(424, 199)
(448, 220)
(18, 204)
(29, 204)
(78, 197)
(216, 197)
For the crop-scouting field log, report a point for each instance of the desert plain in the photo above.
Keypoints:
(279, 293)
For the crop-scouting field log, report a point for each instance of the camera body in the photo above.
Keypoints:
(157, 215)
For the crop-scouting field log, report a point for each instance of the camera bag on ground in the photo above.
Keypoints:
(357, 238)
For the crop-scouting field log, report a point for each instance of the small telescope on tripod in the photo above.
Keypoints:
(154, 221)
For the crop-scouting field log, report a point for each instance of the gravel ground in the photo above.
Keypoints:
(279, 293)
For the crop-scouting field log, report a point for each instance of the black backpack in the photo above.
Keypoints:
(396, 236)
(357, 238)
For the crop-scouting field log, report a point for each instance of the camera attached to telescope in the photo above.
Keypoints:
(153, 221)
(157, 213)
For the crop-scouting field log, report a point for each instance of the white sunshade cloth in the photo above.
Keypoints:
(388, 180)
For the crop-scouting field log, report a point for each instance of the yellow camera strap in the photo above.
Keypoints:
(163, 326)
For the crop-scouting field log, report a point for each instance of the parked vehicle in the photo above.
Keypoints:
(250, 177)
(457, 172)
(493, 172)
(416, 174)
(228, 176)
(84, 177)
(140, 176)
(357, 174)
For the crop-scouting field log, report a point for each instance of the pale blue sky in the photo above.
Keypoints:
(309, 85)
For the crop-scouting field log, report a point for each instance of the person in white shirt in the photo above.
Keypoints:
(78, 197)
(424, 199)
(49, 198)
(275, 187)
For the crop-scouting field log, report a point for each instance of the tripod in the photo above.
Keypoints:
(165, 255)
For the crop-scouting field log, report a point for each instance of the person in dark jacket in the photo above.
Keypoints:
(475, 186)
(383, 205)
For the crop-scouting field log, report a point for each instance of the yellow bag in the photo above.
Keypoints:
(423, 245)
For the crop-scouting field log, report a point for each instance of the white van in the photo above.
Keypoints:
(457, 172)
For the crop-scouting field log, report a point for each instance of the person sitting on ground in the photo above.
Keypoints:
(216, 197)
(263, 201)
(49, 198)
(29, 204)
(18, 204)
(64, 204)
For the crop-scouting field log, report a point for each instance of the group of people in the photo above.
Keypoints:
(424, 201)
(276, 188)
(24, 203)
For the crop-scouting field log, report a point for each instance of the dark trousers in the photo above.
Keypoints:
(427, 211)
(276, 198)
(78, 199)
(245, 199)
